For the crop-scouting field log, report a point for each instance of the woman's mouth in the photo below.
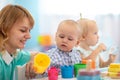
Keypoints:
(23, 42)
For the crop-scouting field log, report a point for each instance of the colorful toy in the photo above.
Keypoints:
(93, 66)
(77, 67)
(88, 73)
(41, 62)
(67, 71)
(114, 70)
(53, 73)
(45, 40)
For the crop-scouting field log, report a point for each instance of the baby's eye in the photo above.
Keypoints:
(61, 36)
(70, 39)
(95, 33)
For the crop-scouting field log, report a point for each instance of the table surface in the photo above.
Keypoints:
(59, 78)
(103, 71)
(72, 79)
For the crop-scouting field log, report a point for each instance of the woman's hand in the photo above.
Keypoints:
(30, 70)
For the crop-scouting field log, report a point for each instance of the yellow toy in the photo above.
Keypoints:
(114, 70)
(41, 62)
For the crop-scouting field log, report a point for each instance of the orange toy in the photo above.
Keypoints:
(41, 62)
(93, 63)
(45, 40)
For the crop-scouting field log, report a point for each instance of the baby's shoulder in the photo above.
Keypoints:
(82, 50)
(52, 51)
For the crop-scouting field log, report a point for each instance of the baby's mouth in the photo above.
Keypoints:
(63, 45)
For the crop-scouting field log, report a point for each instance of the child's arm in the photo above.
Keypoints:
(110, 60)
(95, 52)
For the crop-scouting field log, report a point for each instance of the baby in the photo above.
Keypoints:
(67, 37)
(90, 38)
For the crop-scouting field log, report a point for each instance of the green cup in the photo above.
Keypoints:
(77, 67)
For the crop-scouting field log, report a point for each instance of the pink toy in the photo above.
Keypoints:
(53, 73)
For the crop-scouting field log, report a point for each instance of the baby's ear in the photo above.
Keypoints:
(55, 36)
(82, 38)
(78, 42)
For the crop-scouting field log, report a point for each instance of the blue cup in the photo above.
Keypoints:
(67, 71)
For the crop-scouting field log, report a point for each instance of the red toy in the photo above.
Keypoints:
(53, 73)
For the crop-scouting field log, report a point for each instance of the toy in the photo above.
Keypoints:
(41, 62)
(45, 42)
(77, 67)
(114, 70)
(53, 73)
(88, 73)
(93, 66)
(67, 71)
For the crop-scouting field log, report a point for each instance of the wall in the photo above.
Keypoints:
(32, 6)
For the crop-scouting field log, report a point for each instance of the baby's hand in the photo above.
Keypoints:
(112, 58)
(102, 47)
(113, 50)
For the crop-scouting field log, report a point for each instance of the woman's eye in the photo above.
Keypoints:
(29, 30)
(22, 30)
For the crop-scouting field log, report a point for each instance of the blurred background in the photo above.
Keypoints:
(49, 13)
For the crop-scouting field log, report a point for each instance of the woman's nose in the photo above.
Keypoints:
(28, 35)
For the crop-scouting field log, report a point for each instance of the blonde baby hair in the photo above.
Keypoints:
(73, 23)
(85, 24)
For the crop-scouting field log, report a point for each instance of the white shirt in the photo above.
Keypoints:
(86, 53)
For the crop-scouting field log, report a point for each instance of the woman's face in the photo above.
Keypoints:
(19, 34)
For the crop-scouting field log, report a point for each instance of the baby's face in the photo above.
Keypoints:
(66, 38)
(92, 36)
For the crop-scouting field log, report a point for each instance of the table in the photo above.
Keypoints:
(102, 70)
(106, 78)
(59, 78)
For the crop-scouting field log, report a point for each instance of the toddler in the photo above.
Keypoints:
(90, 38)
(67, 37)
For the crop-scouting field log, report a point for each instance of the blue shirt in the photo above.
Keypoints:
(60, 58)
(7, 70)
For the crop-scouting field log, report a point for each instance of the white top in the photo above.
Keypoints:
(86, 53)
